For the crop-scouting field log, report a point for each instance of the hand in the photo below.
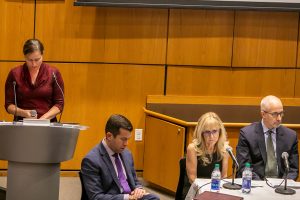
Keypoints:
(137, 193)
(132, 197)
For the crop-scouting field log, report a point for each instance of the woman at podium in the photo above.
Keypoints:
(207, 148)
(34, 89)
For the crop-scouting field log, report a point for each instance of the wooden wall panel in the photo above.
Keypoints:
(16, 25)
(230, 82)
(297, 83)
(298, 56)
(265, 39)
(95, 34)
(164, 147)
(200, 37)
(93, 92)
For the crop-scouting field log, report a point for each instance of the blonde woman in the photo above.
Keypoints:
(207, 149)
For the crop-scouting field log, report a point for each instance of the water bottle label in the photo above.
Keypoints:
(246, 183)
(215, 184)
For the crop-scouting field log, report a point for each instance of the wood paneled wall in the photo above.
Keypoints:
(111, 58)
(217, 81)
(89, 34)
(265, 39)
(16, 25)
(200, 37)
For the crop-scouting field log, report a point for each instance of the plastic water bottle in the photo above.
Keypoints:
(215, 179)
(247, 177)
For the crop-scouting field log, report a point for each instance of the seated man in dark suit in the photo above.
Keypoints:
(108, 170)
(262, 144)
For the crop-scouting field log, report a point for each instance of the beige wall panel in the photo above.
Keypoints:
(93, 92)
(16, 25)
(230, 82)
(200, 37)
(95, 34)
(265, 39)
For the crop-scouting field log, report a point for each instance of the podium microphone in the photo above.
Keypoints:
(62, 92)
(15, 96)
(235, 165)
(284, 189)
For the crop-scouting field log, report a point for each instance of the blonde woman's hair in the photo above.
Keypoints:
(199, 142)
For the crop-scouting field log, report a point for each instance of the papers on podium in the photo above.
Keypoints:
(69, 125)
(36, 122)
(5, 123)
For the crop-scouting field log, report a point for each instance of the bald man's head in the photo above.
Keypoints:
(268, 101)
(271, 111)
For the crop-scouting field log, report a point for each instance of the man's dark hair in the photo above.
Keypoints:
(115, 122)
(33, 45)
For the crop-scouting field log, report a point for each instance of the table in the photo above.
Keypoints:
(259, 191)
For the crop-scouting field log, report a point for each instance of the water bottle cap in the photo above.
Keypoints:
(247, 164)
(217, 166)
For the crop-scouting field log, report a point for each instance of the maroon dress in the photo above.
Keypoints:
(40, 96)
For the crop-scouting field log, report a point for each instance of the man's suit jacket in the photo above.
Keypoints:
(251, 148)
(99, 177)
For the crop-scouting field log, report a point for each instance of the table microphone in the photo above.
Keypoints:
(285, 157)
(235, 164)
(284, 189)
(62, 92)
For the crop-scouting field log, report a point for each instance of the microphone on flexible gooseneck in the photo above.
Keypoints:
(235, 165)
(15, 96)
(235, 162)
(285, 157)
(62, 92)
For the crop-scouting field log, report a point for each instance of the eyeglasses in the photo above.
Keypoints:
(212, 132)
(275, 114)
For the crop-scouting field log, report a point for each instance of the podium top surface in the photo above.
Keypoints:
(37, 144)
(37, 123)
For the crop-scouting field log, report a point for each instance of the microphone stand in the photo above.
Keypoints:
(16, 106)
(62, 92)
(232, 185)
(284, 189)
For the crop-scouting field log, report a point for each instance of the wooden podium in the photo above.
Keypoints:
(34, 154)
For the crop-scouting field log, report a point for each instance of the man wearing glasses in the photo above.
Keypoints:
(262, 144)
